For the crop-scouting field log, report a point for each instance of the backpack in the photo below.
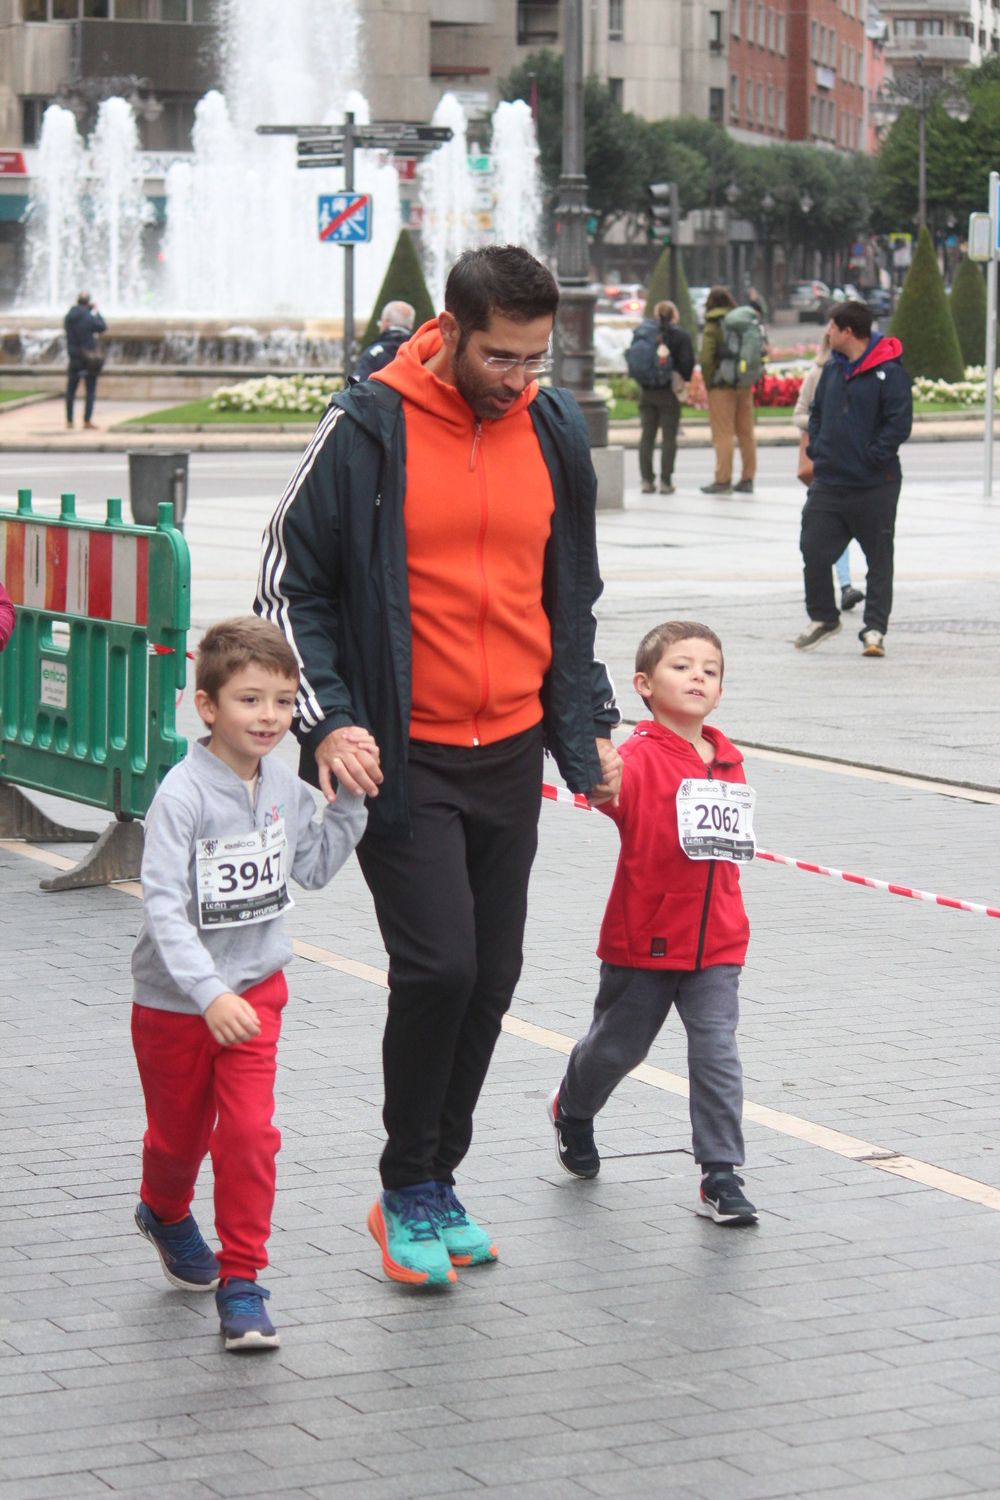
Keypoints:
(644, 362)
(741, 351)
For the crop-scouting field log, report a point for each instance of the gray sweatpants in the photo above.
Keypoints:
(630, 1009)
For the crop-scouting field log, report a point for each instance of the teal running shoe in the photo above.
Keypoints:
(404, 1224)
(467, 1243)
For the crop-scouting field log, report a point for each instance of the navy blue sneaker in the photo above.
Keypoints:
(243, 1319)
(187, 1261)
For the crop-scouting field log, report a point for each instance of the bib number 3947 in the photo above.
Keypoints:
(243, 880)
(715, 820)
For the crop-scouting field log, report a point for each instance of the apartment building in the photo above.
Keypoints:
(946, 34)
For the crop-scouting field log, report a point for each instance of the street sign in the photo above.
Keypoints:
(345, 218)
(980, 237)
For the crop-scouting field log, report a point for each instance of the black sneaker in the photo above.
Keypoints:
(850, 596)
(716, 489)
(720, 1199)
(745, 487)
(575, 1145)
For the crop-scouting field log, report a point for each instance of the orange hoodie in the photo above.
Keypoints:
(478, 514)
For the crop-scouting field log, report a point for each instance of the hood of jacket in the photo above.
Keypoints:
(718, 313)
(881, 349)
(408, 374)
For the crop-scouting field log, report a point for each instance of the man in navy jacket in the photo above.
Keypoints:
(861, 414)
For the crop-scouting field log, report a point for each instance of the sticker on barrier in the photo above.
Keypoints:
(578, 800)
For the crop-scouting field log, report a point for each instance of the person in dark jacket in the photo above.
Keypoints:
(395, 327)
(433, 563)
(861, 414)
(82, 324)
(659, 404)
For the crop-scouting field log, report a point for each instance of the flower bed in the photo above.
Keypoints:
(968, 392)
(298, 395)
(770, 390)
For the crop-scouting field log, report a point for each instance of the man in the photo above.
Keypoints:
(862, 412)
(82, 324)
(732, 359)
(661, 361)
(433, 564)
(395, 326)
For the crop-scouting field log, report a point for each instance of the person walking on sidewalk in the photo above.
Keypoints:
(661, 362)
(861, 414)
(83, 323)
(732, 358)
(674, 932)
(433, 562)
(849, 595)
(226, 830)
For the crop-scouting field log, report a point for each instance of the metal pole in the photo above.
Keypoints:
(348, 251)
(922, 161)
(991, 336)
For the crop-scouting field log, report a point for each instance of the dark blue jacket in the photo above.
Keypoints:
(333, 576)
(82, 326)
(860, 415)
(381, 353)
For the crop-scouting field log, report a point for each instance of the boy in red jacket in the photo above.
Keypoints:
(674, 931)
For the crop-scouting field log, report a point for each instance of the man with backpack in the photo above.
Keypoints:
(660, 360)
(732, 360)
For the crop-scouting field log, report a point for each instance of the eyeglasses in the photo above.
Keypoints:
(500, 365)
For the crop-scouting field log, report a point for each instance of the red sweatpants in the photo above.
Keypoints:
(202, 1098)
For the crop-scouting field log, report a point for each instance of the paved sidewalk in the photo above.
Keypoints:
(846, 1349)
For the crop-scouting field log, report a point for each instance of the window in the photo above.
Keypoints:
(781, 110)
(770, 29)
(770, 107)
(761, 25)
(812, 43)
(734, 97)
(749, 102)
(32, 110)
(616, 88)
(715, 30)
(760, 103)
(812, 114)
(734, 15)
(716, 104)
(616, 20)
(781, 33)
(119, 10)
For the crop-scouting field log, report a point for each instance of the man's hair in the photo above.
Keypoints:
(656, 641)
(397, 315)
(505, 279)
(84, 299)
(232, 645)
(853, 317)
(719, 296)
(666, 311)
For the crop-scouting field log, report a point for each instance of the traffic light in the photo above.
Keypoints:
(664, 212)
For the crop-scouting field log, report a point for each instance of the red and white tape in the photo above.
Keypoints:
(577, 799)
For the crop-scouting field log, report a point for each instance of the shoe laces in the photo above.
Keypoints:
(419, 1214)
(188, 1246)
(448, 1209)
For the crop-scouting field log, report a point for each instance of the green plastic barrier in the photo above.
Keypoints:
(89, 680)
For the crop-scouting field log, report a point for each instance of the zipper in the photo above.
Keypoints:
(484, 696)
(708, 898)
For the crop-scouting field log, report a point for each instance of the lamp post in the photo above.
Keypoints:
(767, 209)
(574, 341)
(920, 91)
(731, 192)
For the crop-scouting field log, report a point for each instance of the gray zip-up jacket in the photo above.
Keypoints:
(180, 967)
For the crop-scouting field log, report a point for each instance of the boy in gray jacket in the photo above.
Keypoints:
(226, 830)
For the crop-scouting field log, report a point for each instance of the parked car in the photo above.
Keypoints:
(880, 301)
(811, 300)
(620, 299)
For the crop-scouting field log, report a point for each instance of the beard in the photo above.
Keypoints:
(478, 389)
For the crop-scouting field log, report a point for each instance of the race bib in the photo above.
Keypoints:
(242, 880)
(715, 820)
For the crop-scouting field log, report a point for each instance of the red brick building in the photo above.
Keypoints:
(797, 71)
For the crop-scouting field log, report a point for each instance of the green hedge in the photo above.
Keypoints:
(922, 320)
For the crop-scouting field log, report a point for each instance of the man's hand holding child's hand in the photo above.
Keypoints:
(232, 1019)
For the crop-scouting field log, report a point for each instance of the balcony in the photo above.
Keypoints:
(463, 12)
(919, 10)
(939, 50)
(537, 23)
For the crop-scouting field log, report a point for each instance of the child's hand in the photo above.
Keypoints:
(232, 1019)
(611, 774)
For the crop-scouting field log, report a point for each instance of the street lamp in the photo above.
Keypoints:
(920, 91)
(767, 207)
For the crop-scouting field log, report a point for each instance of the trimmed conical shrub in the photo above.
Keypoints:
(968, 311)
(403, 282)
(659, 291)
(922, 320)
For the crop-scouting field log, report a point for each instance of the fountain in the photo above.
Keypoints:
(517, 212)
(449, 225)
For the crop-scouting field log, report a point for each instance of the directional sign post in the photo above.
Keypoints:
(345, 218)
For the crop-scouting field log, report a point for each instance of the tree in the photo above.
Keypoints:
(922, 320)
(403, 282)
(659, 291)
(968, 311)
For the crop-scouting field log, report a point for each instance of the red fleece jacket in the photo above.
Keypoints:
(688, 913)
